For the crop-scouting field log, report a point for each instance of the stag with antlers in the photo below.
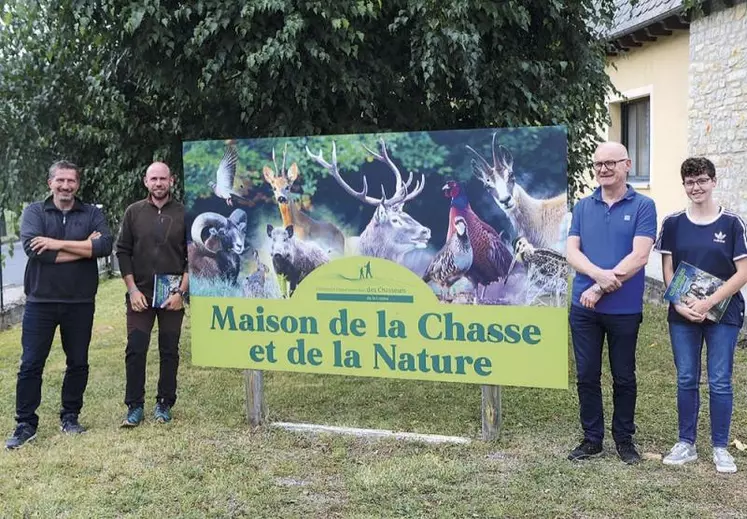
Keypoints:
(391, 233)
(326, 234)
(540, 221)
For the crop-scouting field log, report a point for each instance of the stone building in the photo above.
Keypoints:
(682, 82)
(717, 109)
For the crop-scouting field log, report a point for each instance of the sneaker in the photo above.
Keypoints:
(70, 425)
(23, 434)
(681, 453)
(626, 451)
(162, 413)
(135, 415)
(723, 460)
(585, 450)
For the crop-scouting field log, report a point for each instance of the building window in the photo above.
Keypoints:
(636, 136)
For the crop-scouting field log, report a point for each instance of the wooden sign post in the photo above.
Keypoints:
(255, 405)
(491, 413)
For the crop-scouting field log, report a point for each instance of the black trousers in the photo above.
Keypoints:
(588, 331)
(139, 327)
(40, 322)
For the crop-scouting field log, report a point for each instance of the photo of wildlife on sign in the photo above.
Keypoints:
(477, 218)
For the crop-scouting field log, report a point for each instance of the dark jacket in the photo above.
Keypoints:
(152, 241)
(72, 282)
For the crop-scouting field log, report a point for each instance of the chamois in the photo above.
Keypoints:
(391, 233)
(537, 220)
(293, 258)
(325, 234)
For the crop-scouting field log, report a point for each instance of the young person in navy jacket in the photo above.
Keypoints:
(712, 239)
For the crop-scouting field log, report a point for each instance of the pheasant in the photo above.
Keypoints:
(453, 260)
(491, 256)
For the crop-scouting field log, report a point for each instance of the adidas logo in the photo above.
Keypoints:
(719, 237)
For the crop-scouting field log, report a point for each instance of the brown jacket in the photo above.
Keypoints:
(152, 241)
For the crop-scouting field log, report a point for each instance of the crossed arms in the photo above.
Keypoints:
(49, 250)
(608, 280)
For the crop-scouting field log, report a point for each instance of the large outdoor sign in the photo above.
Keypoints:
(425, 255)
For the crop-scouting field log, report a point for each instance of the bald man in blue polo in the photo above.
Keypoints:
(611, 235)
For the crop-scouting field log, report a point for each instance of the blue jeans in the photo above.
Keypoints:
(40, 322)
(687, 346)
(588, 331)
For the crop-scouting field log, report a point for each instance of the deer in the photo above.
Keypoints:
(281, 180)
(391, 233)
(540, 221)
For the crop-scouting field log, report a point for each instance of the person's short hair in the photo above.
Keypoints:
(695, 166)
(63, 164)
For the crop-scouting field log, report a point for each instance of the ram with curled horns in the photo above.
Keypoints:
(218, 254)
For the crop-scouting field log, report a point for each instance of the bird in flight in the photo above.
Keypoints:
(223, 186)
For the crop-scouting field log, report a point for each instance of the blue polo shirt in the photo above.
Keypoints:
(607, 234)
(711, 246)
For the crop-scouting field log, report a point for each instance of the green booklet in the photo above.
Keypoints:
(163, 286)
(691, 282)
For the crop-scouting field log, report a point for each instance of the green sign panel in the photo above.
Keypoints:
(428, 255)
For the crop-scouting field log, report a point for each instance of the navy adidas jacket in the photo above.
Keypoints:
(72, 282)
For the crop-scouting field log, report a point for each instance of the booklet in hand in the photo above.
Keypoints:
(163, 286)
(691, 282)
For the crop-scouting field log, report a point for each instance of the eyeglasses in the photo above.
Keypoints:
(609, 164)
(700, 181)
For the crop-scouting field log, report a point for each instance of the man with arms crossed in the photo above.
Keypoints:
(152, 241)
(612, 232)
(62, 237)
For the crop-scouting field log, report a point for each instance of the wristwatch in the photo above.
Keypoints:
(597, 288)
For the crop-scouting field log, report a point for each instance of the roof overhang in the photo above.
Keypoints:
(658, 19)
(649, 31)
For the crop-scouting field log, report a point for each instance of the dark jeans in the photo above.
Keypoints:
(139, 327)
(40, 322)
(687, 346)
(588, 331)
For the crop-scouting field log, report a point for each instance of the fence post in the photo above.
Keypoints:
(3, 232)
(2, 291)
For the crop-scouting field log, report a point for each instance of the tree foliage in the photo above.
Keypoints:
(116, 84)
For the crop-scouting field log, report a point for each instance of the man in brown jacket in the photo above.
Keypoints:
(152, 242)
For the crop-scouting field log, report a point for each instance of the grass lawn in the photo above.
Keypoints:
(209, 463)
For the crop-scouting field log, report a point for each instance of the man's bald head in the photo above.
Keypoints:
(611, 148)
(158, 168)
(611, 165)
(158, 180)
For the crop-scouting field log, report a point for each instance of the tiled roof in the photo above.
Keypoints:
(629, 18)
